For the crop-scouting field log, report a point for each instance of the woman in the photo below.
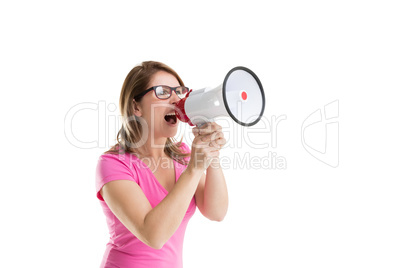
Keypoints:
(148, 185)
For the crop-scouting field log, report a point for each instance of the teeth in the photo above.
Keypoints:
(170, 114)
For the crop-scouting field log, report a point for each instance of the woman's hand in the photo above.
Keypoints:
(208, 140)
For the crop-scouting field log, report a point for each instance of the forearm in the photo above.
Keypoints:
(164, 219)
(215, 193)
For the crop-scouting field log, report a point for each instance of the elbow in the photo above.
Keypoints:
(153, 242)
(214, 212)
(156, 245)
(150, 236)
(220, 215)
(218, 218)
(214, 215)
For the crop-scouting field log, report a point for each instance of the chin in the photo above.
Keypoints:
(168, 131)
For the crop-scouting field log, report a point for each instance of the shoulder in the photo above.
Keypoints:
(113, 161)
(118, 164)
(112, 167)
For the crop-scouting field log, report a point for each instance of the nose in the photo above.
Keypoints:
(174, 98)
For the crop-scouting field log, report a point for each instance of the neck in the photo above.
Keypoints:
(154, 148)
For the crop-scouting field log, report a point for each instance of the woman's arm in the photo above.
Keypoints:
(153, 226)
(212, 195)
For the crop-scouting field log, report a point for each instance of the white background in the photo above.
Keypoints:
(55, 55)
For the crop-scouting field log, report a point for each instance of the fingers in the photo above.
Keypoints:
(208, 141)
(215, 144)
(212, 136)
(195, 131)
(219, 143)
(208, 128)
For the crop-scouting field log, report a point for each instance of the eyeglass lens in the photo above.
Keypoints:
(164, 92)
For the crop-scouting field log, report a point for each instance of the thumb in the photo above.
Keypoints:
(196, 131)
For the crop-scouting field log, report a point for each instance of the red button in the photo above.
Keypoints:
(244, 95)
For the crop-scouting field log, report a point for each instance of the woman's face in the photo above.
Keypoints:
(154, 110)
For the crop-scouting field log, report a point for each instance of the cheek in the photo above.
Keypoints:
(152, 108)
(155, 109)
(157, 114)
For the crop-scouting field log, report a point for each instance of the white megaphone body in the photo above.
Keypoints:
(240, 97)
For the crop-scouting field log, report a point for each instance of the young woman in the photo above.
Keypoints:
(148, 184)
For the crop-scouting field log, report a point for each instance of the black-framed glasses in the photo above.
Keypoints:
(164, 92)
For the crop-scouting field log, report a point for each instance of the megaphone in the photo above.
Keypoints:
(240, 97)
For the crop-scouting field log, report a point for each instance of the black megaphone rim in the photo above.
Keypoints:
(227, 105)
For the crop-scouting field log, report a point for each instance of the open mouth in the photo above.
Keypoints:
(171, 118)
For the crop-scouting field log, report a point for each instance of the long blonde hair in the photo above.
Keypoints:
(131, 131)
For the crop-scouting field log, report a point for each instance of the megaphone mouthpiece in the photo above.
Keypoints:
(180, 111)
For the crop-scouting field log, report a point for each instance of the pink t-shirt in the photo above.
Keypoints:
(123, 248)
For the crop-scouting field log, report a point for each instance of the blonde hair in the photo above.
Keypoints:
(131, 131)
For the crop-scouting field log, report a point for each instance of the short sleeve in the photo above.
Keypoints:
(109, 168)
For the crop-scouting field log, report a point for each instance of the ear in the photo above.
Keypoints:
(137, 109)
